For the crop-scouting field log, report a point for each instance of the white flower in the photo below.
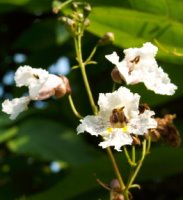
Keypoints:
(119, 117)
(15, 106)
(41, 85)
(139, 65)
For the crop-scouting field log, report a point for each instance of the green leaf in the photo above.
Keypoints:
(51, 141)
(162, 162)
(6, 134)
(135, 25)
(14, 2)
(140, 22)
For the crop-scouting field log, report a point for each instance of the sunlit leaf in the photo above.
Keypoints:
(134, 26)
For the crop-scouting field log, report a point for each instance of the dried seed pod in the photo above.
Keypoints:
(167, 131)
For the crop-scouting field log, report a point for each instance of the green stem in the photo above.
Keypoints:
(73, 107)
(148, 145)
(83, 71)
(128, 157)
(126, 196)
(91, 55)
(132, 178)
(133, 154)
(116, 169)
(65, 3)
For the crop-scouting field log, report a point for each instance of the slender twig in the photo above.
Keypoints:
(73, 107)
(133, 154)
(148, 145)
(91, 55)
(132, 178)
(116, 169)
(130, 161)
(83, 71)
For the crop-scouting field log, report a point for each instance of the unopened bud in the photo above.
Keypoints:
(63, 19)
(74, 6)
(86, 22)
(136, 140)
(70, 24)
(114, 185)
(154, 134)
(106, 39)
(116, 77)
(56, 6)
(87, 9)
(63, 88)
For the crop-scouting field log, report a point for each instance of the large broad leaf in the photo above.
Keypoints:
(162, 162)
(14, 2)
(49, 140)
(135, 22)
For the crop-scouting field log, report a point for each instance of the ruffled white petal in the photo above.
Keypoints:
(113, 58)
(162, 85)
(28, 76)
(136, 123)
(117, 139)
(15, 106)
(119, 98)
(141, 124)
(91, 124)
(145, 69)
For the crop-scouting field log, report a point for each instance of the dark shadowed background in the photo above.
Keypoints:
(41, 157)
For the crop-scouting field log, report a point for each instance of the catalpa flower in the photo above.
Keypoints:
(119, 119)
(41, 85)
(15, 106)
(139, 65)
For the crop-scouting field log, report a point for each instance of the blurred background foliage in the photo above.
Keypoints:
(41, 157)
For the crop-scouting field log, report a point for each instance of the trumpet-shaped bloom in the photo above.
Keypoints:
(41, 85)
(139, 65)
(118, 119)
(15, 106)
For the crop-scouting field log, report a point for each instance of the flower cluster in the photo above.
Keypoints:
(119, 118)
(41, 85)
(139, 65)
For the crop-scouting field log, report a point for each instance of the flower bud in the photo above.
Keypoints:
(63, 88)
(56, 6)
(86, 22)
(136, 140)
(154, 134)
(87, 9)
(116, 77)
(106, 39)
(70, 24)
(74, 6)
(114, 185)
